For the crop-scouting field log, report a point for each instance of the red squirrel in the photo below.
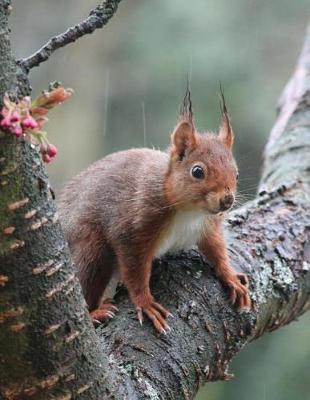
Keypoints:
(134, 205)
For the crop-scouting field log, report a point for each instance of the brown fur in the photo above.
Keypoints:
(118, 211)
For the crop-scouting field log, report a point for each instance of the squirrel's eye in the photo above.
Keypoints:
(197, 172)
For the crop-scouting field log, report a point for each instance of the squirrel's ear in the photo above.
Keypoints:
(183, 137)
(226, 134)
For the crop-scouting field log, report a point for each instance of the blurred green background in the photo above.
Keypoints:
(129, 79)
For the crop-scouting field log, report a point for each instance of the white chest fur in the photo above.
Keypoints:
(183, 232)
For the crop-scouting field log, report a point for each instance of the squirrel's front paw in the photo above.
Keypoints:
(238, 286)
(156, 313)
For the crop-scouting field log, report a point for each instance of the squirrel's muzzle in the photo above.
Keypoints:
(226, 202)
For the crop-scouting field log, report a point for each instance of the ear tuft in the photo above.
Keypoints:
(184, 138)
(186, 109)
(226, 134)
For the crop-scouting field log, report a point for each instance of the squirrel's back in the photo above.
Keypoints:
(119, 187)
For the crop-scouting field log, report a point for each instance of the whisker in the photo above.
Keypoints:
(249, 186)
(247, 178)
(247, 190)
(244, 195)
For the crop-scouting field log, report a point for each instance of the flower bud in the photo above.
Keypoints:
(6, 122)
(38, 111)
(43, 148)
(51, 150)
(30, 123)
(46, 158)
(41, 122)
(15, 117)
(17, 130)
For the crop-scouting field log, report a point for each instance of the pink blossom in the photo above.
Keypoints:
(15, 117)
(43, 148)
(27, 119)
(30, 123)
(17, 130)
(46, 158)
(51, 150)
(6, 122)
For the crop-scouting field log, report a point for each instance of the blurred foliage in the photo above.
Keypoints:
(129, 80)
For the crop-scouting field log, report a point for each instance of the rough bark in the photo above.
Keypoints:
(48, 346)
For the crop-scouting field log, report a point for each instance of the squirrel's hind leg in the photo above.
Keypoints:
(105, 308)
(96, 265)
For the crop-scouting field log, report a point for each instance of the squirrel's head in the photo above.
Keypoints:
(202, 172)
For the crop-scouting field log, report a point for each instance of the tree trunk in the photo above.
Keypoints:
(48, 346)
(49, 349)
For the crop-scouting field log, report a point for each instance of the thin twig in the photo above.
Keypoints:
(97, 18)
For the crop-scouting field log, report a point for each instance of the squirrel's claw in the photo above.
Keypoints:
(96, 322)
(233, 295)
(140, 315)
(110, 314)
(244, 280)
(103, 312)
(239, 293)
(157, 314)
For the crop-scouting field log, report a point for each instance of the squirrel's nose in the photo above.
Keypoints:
(226, 202)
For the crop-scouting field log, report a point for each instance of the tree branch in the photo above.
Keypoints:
(268, 239)
(97, 18)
